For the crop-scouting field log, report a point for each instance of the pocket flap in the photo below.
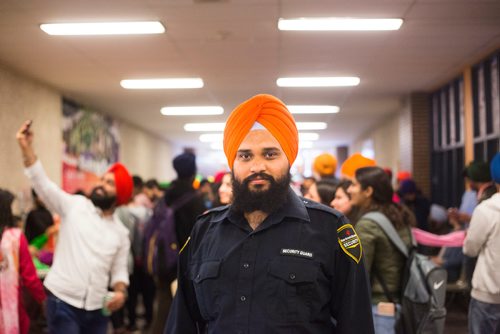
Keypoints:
(206, 270)
(294, 272)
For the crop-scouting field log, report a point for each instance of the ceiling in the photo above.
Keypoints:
(235, 46)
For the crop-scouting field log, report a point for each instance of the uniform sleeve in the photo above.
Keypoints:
(55, 198)
(478, 233)
(367, 239)
(27, 272)
(184, 316)
(351, 300)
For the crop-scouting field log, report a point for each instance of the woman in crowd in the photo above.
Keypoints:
(371, 191)
(225, 191)
(16, 271)
(321, 191)
(342, 201)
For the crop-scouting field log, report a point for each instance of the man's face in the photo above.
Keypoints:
(261, 173)
(103, 195)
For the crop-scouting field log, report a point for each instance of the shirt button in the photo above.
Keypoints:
(198, 276)
(292, 276)
(246, 265)
(243, 298)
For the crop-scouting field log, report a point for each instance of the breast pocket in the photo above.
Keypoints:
(292, 288)
(205, 280)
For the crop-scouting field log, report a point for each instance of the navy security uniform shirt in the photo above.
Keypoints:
(290, 275)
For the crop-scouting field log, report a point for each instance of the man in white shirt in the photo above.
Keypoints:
(92, 248)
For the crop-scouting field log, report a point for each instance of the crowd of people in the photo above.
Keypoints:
(244, 251)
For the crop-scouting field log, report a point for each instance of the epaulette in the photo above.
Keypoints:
(215, 210)
(349, 242)
(318, 206)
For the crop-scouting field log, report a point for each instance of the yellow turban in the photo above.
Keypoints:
(353, 163)
(272, 114)
(325, 164)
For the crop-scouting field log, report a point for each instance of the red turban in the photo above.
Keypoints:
(353, 163)
(403, 175)
(272, 114)
(123, 182)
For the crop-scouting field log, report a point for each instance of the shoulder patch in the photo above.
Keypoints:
(349, 242)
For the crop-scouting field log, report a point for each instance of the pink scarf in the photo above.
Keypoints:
(453, 239)
(9, 281)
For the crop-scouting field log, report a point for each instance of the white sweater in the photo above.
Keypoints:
(91, 251)
(483, 240)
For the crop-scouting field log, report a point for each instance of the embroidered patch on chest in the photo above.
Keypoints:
(349, 242)
(296, 252)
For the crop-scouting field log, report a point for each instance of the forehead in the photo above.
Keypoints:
(258, 139)
(109, 176)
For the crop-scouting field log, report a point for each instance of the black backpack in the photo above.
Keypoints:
(423, 286)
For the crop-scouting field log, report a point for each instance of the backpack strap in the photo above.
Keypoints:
(381, 220)
(183, 200)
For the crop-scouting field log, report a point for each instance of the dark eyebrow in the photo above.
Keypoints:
(270, 149)
(244, 151)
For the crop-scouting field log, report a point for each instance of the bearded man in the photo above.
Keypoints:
(271, 262)
(92, 249)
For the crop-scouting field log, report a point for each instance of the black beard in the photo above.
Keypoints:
(101, 199)
(268, 201)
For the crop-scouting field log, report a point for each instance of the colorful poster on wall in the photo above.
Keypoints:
(91, 144)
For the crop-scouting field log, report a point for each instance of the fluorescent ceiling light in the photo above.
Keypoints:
(189, 111)
(104, 28)
(204, 127)
(211, 137)
(308, 136)
(170, 83)
(318, 82)
(305, 144)
(317, 109)
(307, 126)
(219, 127)
(217, 146)
(339, 24)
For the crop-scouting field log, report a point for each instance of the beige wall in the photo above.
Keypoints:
(22, 98)
(145, 155)
(386, 141)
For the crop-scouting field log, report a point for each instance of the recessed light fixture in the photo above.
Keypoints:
(308, 136)
(217, 146)
(313, 109)
(211, 137)
(219, 127)
(166, 83)
(204, 127)
(307, 126)
(305, 144)
(103, 28)
(318, 82)
(339, 24)
(190, 111)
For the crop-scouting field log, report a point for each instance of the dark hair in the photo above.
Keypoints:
(326, 191)
(381, 198)
(138, 182)
(6, 216)
(344, 184)
(152, 183)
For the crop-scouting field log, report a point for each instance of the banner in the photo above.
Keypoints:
(91, 144)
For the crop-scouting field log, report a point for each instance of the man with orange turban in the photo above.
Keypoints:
(353, 163)
(92, 249)
(271, 261)
(325, 166)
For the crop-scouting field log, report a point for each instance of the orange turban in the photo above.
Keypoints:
(403, 175)
(272, 114)
(123, 182)
(325, 164)
(353, 163)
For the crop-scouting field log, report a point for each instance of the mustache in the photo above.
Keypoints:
(99, 190)
(261, 175)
